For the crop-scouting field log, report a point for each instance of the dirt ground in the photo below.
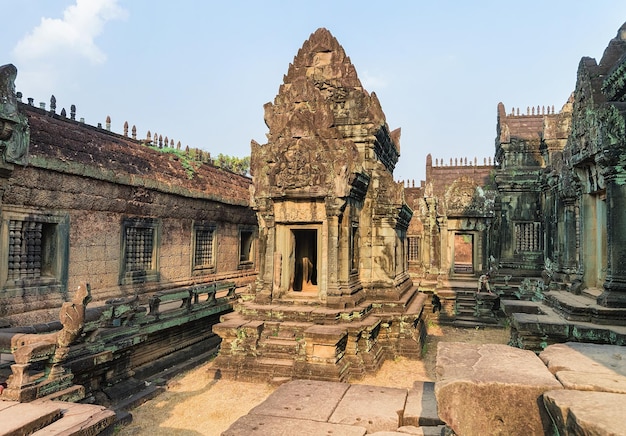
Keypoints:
(197, 404)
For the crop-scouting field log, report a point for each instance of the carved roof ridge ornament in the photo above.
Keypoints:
(14, 130)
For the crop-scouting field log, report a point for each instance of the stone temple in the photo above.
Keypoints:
(333, 285)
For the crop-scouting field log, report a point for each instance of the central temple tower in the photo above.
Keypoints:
(332, 220)
(333, 297)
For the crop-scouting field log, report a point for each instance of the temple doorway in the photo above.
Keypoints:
(305, 260)
(463, 253)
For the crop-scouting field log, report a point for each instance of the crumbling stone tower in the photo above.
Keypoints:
(323, 185)
(332, 221)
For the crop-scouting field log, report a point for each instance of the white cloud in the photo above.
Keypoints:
(74, 34)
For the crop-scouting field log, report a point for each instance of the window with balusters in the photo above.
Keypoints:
(140, 244)
(34, 248)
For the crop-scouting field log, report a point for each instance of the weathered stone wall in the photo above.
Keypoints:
(455, 198)
(93, 180)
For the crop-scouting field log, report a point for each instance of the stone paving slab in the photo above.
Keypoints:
(303, 399)
(79, 419)
(264, 425)
(583, 357)
(585, 381)
(26, 418)
(376, 408)
(588, 413)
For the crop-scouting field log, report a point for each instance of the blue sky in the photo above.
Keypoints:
(199, 72)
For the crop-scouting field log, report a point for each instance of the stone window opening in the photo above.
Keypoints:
(140, 246)
(528, 237)
(34, 248)
(305, 260)
(204, 249)
(413, 248)
(246, 248)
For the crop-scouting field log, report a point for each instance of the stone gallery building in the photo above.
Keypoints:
(129, 217)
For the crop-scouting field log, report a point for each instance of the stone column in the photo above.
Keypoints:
(444, 265)
(569, 255)
(267, 246)
(614, 294)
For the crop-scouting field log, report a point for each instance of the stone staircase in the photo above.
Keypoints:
(563, 316)
(462, 307)
(289, 339)
(44, 417)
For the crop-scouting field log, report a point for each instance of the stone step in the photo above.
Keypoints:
(79, 420)
(268, 361)
(421, 406)
(268, 367)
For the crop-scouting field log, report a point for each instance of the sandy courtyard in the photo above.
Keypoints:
(195, 403)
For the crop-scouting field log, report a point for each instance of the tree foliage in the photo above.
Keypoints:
(239, 165)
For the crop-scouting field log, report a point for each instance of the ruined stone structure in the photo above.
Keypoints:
(123, 215)
(448, 237)
(453, 211)
(526, 148)
(545, 218)
(333, 284)
(162, 240)
(560, 208)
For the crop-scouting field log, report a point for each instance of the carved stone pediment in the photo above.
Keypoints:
(466, 198)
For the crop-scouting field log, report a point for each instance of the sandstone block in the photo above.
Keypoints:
(588, 367)
(303, 399)
(373, 407)
(492, 389)
(586, 413)
(583, 357)
(263, 425)
(421, 406)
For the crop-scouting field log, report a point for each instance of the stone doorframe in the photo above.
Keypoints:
(286, 238)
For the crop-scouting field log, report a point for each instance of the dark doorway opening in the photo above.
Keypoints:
(305, 268)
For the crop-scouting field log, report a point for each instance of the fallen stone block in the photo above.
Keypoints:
(303, 399)
(586, 381)
(586, 413)
(374, 407)
(492, 389)
(27, 418)
(587, 367)
(583, 357)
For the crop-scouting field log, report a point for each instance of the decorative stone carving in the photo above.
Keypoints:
(14, 132)
(51, 348)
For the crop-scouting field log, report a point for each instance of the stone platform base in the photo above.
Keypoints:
(280, 342)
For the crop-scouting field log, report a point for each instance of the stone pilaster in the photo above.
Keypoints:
(614, 294)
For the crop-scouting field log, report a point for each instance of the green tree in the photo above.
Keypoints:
(239, 165)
